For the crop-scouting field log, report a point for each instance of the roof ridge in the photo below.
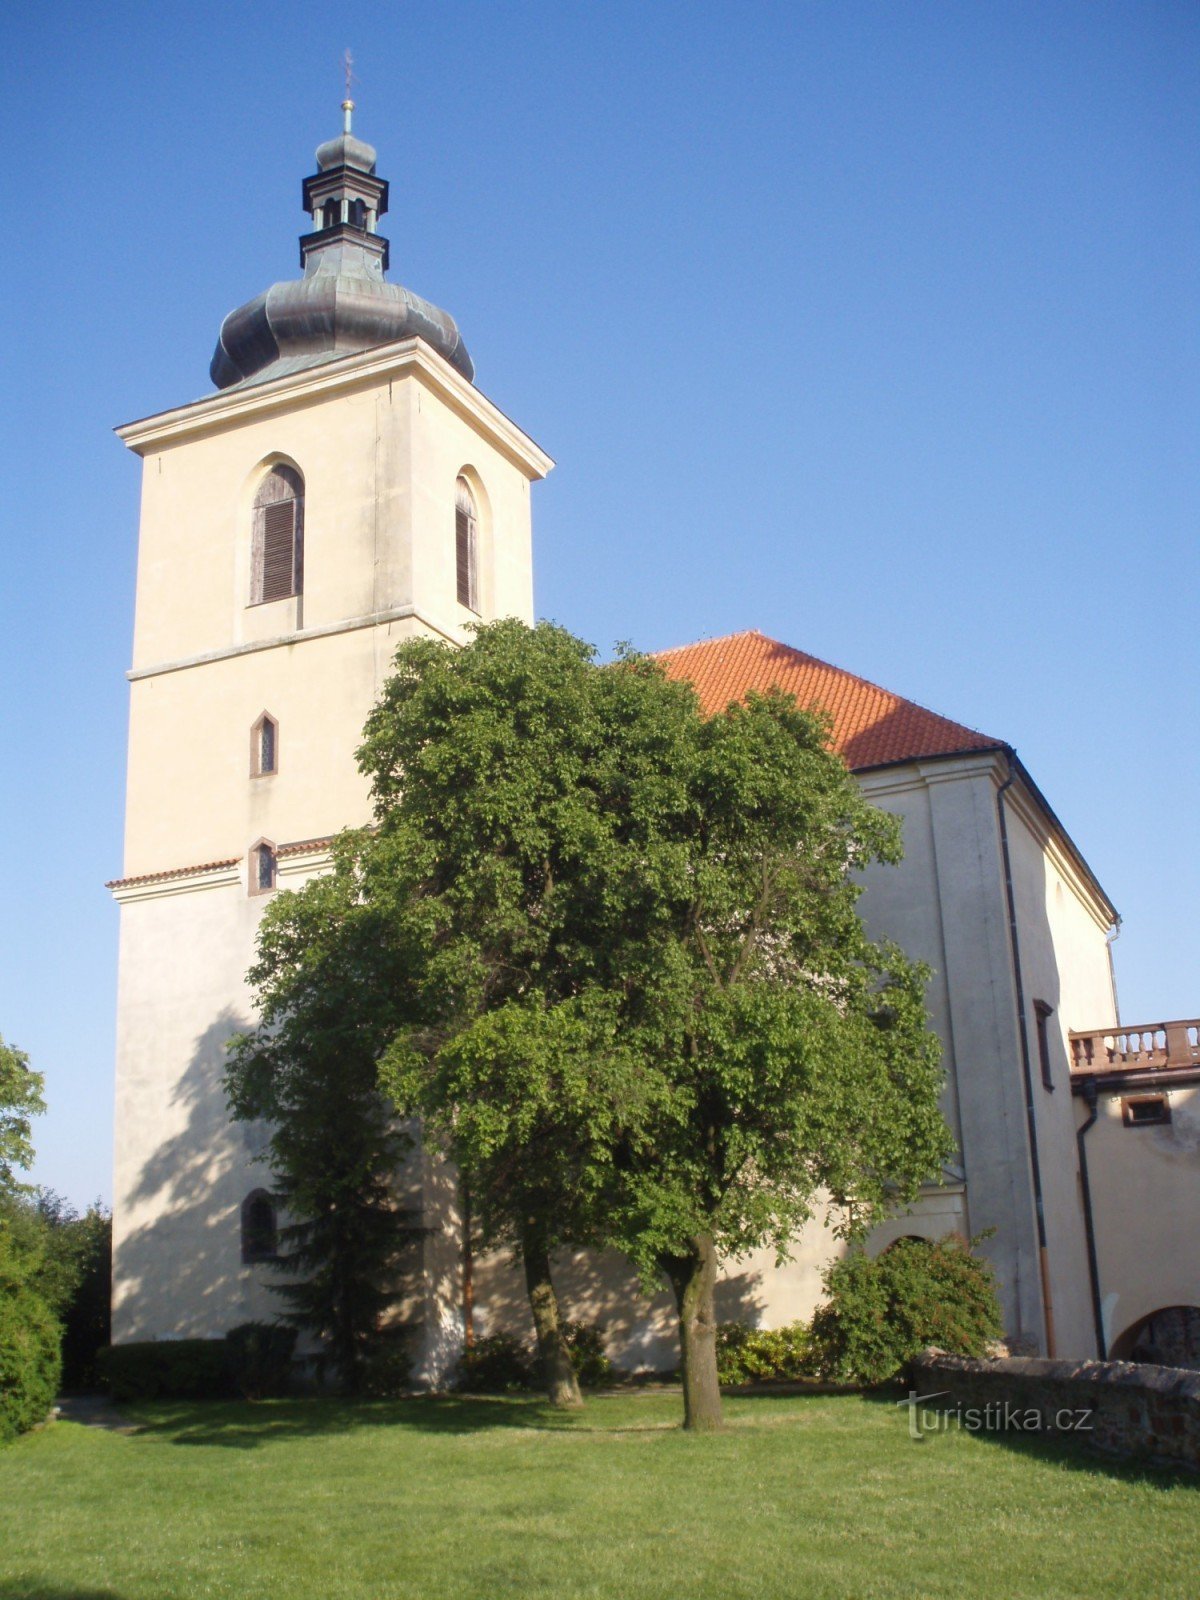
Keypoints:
(720, 638)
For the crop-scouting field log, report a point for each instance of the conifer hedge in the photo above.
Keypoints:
(30, 1359)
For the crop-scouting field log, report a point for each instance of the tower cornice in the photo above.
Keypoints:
(361, 368)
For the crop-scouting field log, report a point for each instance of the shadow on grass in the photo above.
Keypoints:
(242, 1426)
(1062, 1449)
(37, 1589)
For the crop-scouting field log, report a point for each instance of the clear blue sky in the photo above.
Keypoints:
(871, 325)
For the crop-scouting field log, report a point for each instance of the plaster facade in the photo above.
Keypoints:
(380, 439)
(1144, 1202)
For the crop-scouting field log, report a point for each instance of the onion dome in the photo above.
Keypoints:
(343, 303)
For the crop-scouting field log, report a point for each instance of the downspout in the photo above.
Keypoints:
(1091, 1097)
(1035, 1165)
(1110, 938)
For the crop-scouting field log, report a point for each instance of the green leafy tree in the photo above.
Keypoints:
(662, 1025)
(30, 1360)
(70, 1266)
(520, 793)
(800, 1067)
(468, 939)
(608, 949)
(334, 1150)
(20, 1101)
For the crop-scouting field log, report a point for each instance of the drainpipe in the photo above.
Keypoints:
(1026, 1067)
(1091, 1098)
(1110, 938)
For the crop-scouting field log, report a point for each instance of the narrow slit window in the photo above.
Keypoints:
(278, 537)
(1044, 1012)
(264, 747)
(466, 545)
(263, 868)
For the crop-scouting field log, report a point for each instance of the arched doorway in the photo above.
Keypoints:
(1169, 1337)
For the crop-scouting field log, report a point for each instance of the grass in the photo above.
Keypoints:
(799, 1497)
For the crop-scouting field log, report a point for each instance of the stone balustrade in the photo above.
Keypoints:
(1146, 1047)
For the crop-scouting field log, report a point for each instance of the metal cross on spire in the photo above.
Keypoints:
(351, 78)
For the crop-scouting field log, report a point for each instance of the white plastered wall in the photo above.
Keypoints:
(380, 439)
(1063, 928)
(1144, 1183)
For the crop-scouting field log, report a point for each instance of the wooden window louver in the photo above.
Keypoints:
(466, 540)
(278, 536)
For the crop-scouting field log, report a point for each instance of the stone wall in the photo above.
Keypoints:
(1114, 1408)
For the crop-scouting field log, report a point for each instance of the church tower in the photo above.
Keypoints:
(347, 487)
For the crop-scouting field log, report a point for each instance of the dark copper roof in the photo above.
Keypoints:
(343, 303)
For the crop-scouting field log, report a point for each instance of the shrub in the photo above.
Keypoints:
(497, 1364)
(585, 1342)
(66, 1260)
(260, 1359)
(763, 1355)
(882, 1310)
(175, 1369)
(387, 1365)
(30, 1364)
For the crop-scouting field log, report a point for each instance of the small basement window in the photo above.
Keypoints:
(1138, 1111)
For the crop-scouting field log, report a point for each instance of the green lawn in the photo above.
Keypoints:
(801, 1496)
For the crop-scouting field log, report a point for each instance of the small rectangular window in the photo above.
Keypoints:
(1140, 1111)
(1044, 1012)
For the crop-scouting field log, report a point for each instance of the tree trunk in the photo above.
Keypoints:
(693, 1278)
(468, 1273)
(557, 1372)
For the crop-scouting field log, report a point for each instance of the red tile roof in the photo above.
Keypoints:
(300, 847)
(871, 726)
(172, 872)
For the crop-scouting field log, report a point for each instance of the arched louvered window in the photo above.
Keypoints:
(466, 543)
(260, 1228)
(262, 868)
(264, 747)
(278, 536)
(331, 215)
(358, 214)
